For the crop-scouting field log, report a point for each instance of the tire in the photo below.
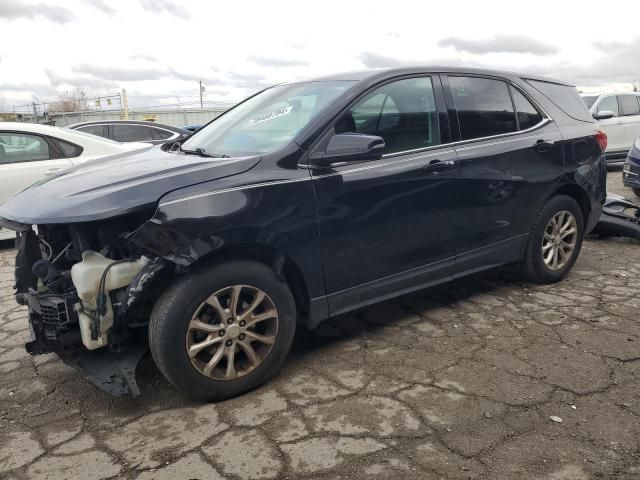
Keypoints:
(179, 314)
(636, 191)
(534, 267)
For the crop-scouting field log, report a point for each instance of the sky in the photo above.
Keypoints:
(160, 49)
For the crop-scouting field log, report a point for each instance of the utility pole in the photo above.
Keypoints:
(125, 104)
(35, 112)
(202, 89)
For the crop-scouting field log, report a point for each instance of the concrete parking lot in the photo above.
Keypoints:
(488, 377)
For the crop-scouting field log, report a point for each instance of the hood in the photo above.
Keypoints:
(116, 185)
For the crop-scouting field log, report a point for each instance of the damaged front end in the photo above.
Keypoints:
(619, 218)
(89, 292)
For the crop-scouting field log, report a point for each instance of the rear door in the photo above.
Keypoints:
(613, 127)
(630, 115)
(25, 159)
(509, 154)
(388, 224)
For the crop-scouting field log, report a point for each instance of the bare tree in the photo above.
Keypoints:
(72, 101)
(636, 86)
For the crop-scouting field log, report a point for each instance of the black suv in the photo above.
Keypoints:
(307, 200)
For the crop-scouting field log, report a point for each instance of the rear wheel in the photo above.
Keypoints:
(554, 241)
(223, 330)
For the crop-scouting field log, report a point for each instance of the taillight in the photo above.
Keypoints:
(601, 138)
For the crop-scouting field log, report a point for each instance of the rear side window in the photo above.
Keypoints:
(610, 104)
(132, 133)
(528, 115)
(628, 105)
(20, 147)
(98, 130)
(484, 107)
(69, 149)
(565, 97)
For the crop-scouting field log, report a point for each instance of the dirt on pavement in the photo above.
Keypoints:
(486, 377)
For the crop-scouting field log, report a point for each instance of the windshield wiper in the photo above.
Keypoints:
(202, 153)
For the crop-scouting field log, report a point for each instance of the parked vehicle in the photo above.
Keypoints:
(631, 168)
(192, 128)
(307, 200)
(619, 116)
(29, 152)
(133, 131)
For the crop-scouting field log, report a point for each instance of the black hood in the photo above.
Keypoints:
(116, 185)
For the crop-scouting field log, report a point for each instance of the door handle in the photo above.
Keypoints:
(436, 165)
(51, 171)
(543, 145)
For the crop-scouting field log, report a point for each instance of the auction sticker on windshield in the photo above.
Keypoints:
(270, 116)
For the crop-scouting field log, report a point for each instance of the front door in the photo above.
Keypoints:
(630, 115)
(387, 225)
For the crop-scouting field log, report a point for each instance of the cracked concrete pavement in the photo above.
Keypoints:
(456, 382)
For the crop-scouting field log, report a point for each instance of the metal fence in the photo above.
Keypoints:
(174, 117)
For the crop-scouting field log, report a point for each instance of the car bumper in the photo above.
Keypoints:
(631, 170)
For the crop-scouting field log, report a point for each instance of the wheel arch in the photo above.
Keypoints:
(578, 194)
(284, 267)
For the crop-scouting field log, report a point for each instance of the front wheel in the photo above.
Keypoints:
(555, 240)
(223, 330)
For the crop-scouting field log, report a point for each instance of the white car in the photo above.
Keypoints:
(29, 152)
(619, 116)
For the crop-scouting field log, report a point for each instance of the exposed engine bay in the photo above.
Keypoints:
(87, 288)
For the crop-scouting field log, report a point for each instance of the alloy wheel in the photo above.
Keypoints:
(232, 332)
(559, 240)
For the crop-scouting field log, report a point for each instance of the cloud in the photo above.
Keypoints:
(500, 44)
(375, 60)
(13, 9)
(82, 80)
(143, 56)
(247, 80)
(276, 62)
(103, 6)
(165, 6)
(120, 73)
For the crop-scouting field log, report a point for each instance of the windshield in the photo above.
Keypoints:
(266, 122)
(589, 100)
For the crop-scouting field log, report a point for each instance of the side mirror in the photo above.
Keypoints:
(347, 148)
(603, 115)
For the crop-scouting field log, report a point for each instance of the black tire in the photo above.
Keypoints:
(534, 267)
(173, 311)
(636, 191)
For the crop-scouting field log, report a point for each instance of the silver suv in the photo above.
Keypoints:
(619, 116)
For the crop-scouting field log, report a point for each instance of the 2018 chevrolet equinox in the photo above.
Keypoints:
(306, 200)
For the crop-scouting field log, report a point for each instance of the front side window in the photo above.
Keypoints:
(20, 147)
(528, 115)
(268, 121)
(484, 107)
(628, 104)
(403, 113)
(162, 134)
(132, 133)
(610, 104)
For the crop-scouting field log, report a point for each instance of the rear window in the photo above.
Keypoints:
(565, 97)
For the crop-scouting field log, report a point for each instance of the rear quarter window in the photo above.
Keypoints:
(565, 97)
